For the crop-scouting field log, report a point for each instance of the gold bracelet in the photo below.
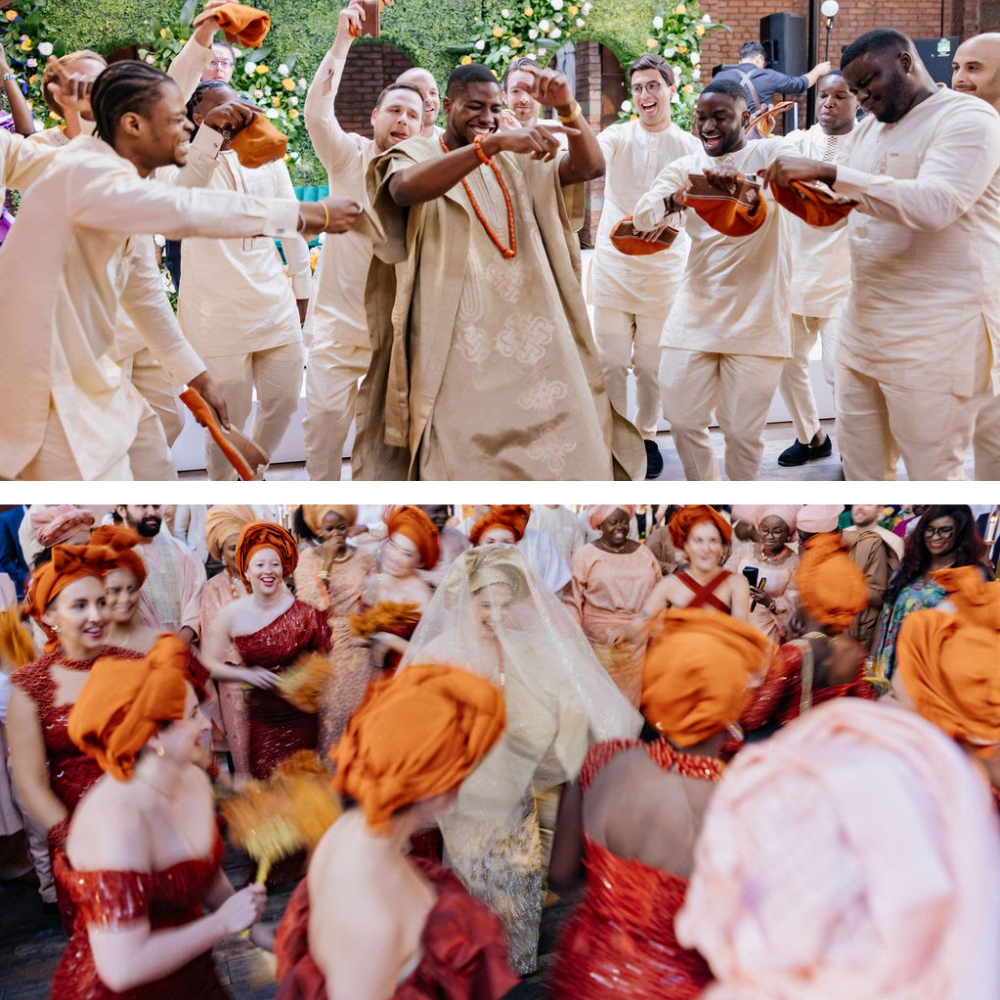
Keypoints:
(575, 112)
(326, 214)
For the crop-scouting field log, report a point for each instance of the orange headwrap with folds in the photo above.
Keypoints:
(419, 528)
(124, 702)
(949, 668)
(699, 673)
(264, 535)
(813, 202)
(597, 514)
(313, 513)
(694, 513)
(259, 143)
(832, 590)
(975, 599)
(741, 213)
(122, 542)
(415, 736)
(514, 517)
(223, 521)
(69, 563)
(247, 24)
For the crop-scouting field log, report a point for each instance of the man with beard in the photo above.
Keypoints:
(728, 334)
(923, 315)
(633, 295)
(175, 577)
(341, 348)
(976, 71)
(484, 363)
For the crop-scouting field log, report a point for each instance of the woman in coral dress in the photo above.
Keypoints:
(635, 816)
(269, 629)
(144, 855)
(369, 921)
(332, 576)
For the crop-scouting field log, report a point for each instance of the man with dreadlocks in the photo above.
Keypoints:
(68, 412)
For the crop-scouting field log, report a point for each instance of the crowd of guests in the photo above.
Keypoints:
(661, 711)
(447, 319)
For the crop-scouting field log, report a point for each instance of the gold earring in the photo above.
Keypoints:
(160, 751)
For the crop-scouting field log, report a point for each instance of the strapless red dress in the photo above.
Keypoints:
(277, 728)
(620, 941)
(463, 949)
(170, 898)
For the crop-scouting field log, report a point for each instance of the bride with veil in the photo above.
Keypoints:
(492, 616)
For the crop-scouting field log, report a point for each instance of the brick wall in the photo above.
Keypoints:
(369, 69)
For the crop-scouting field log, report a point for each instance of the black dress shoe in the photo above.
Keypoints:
(654, 460)
(799, 453)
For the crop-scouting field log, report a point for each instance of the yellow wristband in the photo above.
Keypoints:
(326, 220)
(574, 113)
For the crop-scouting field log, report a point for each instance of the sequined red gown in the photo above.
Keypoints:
(463, 949)
(169, 898)
(620, 941)
(277, 728)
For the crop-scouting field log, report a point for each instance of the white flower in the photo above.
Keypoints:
(556, 32)
(505, 13)
(658, 22)
(695, 58)
(272, 112)
(557, 4)
(626, 105)
(532, 34)
(293, 101)
(45, 48)
(258, 94)
(668, 53)
(579, 22)
(696, 74)
(586, 7)
(150, 60)
(544, 25)
(303, 83)
(505, 48)
(250, 68)
(707, 19)
(481, 44)
(283, 70)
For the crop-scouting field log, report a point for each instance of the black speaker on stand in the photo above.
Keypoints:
(784, 39)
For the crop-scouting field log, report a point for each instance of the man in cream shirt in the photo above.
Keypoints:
(341, 351)
(921, 330)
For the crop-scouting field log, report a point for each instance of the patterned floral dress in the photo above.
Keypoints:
(916, 596)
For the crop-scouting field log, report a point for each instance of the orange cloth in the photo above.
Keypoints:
(53, 525)
(626, 239)
(832, 589)
(813, 204)
(313, 513)
(124, 702)
(599, 513)
(415, 736)
(264, 535)
(975, 599)
(122, 542)
(259, 143)
(512, 516)
(223, 521)
(949, 668)
(729, 214)
(699, 673)
(691, 514)
(69, 563)
(419, 528)
(249, 25)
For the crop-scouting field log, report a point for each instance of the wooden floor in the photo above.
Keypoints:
(777, 437)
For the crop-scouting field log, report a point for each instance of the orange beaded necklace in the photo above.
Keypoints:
(507, 252)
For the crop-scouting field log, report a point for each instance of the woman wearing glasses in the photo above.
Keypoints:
(945, 536)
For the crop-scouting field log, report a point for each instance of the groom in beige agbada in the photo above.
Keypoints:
(484, 362)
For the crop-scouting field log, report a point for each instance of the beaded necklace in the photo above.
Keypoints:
(692, 766)
(507, 252)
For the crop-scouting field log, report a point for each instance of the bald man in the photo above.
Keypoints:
(975, 70)
(424, 80)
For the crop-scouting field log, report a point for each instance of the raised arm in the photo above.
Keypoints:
(24, 122)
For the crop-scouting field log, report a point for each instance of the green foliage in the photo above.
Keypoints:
(28, 41)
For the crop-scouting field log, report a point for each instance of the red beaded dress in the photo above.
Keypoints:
(463, 951)
(620, 941)
(168, 898)
(277, 728)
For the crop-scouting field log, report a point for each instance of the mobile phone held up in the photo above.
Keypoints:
(752, 574)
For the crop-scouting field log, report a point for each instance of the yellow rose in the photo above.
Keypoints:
(25, 44)
(261, 70)
(11, 14)
(288, 84)
(466, 60)
(573, 10)
(632, 118)
(515, 43)
(681, 49)
(651, 43)
(699, 29)
(680, 9)
(528, 11)
(163, 32)
(294, 113)
(688, 88)
(33, 79)
(276, 102)
(498, 32)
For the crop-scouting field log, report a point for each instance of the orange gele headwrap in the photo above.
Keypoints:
(124, 702)
(225, 520)
(699, 673)
(832, 590)
(975, 599)
(264, 535)
(694, 513)
(122, 542)
(247, 24)
(511, 516)
(415, 736)
(259, 143)
(69, 563)
(814, 203)
(733, 215)
(949, 668)
(419, 528)
(597, 514)
(313, 513)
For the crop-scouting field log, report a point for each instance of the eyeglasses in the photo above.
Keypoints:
(653, 87)
(946, 532)
(221, 64)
